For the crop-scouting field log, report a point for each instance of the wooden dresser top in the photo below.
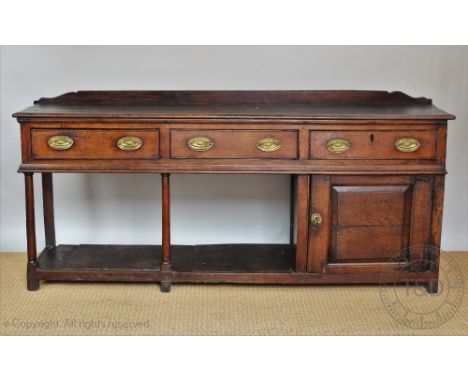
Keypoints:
(278, 105)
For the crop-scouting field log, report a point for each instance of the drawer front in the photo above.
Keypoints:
(421, 144)
(234, 144)
(94, 144)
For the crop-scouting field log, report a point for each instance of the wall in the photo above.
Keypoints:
(125, 208)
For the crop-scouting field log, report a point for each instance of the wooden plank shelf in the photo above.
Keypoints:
(249, 258)
(215, 263)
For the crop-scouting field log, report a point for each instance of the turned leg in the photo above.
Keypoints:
(166, 235)
(32, 276)
(48, 206)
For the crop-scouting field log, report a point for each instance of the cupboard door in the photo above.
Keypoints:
(359, 223)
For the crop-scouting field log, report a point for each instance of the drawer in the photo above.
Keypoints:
(420, 144)
(234, 144)
(94, 144)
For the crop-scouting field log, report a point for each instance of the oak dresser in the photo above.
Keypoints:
(367, 175)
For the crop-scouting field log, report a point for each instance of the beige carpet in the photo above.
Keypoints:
(140, 309)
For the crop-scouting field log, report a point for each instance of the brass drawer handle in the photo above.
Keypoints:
(338, 145)
(60, 142)
(268, 144)
(129, 143)
(407, 145)
(316, 218)
(200, 143)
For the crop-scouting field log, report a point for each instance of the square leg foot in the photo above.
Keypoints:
(31, 277)
(33, 285)
(165, 286)
(432, 287)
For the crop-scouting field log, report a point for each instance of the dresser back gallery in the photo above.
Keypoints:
(367, 175)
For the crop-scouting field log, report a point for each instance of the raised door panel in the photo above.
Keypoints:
(369, 223)
(367, 220)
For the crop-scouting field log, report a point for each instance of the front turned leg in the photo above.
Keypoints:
(166, 269)
(31, 270)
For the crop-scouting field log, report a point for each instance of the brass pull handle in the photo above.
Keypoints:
(129, 143)
(60, 142)
(338, 145)
(268, 144)
(200, 143)
(316, 218)
(407, 145)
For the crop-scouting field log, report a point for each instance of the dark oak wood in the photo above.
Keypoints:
(238, 263)
(233, 278)
(253, 258)
(232, 166)
(421, 216)
(319, 234)
(48, 207)
(32, 278)
(369, 223)
(229, 97)
(302, 221)
(94, 144)
(373, 144)
(166, 234)
(166, 225)
(86, 257)
(234, 144)
(374, 200)
(233, 104)
(436, 229)
(368, 220)
(292, 208)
